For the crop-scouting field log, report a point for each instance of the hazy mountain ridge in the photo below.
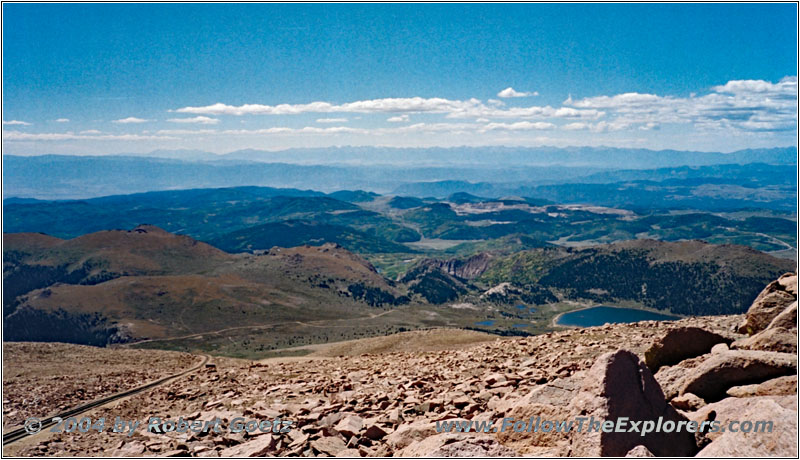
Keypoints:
(601, 157)
(371, 169)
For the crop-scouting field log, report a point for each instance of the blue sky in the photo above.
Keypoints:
(97, 79)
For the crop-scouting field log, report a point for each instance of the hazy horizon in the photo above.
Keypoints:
(223, 153)
(113, 79)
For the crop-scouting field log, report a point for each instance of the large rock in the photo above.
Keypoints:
(639, 451)
(731, 409)
(375, 432)
(408, 433)
(779, 335)
(670, 378)
(787, 319)
(620, 385)
(769, 304)
(780, 442)
(777, 339)
(457, 445)
(789, 283)
(679, 344)
(350, 425)
(130, 449)
(261, 446)
(550, 401)
(780, 386)
(328, 445)
(688, 402)
(720, 371)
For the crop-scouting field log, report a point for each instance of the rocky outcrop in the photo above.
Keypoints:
(350, 425)
(466, 269)
(779, 335)
(639, 451)
(680, 344)
(550, 401)
(778, 386)
(720, 371)
(688, 401)
(781, 441)
(671, 378)
(620, 385)
(771, 339)
(767, 354)
(457, 445)
(409, 433)
(787, 319)
(261, 446)
(770, 303)
(389, 404)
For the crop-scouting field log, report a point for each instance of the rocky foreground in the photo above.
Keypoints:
(45, 378)
(699, 369)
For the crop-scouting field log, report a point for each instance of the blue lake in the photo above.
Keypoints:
(485, 323)
(597, 316)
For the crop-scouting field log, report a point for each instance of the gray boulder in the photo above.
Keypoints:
(769, 304)
(680, 344)
(720, 371)
(620, 385)
(779, 335)
(671, 377)
(780, 442)
(550, 401)
(457, 445)
(775, 387)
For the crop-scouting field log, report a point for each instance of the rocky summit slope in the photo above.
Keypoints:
(696, 369)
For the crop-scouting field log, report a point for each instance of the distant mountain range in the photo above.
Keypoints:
(380, 170)
(593, 157)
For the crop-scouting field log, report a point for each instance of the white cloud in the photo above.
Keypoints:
(386, 105)
(511, 92)
(185, 132)
(577, 126)
(526, 112)
(470, 108)
(398, 119)
(70, 136)
(753, 112)
(739, 105)
(130, 120)
(786, 86)
(200, 120)
(62, 120)
(519, 126)
(452, 128)
(16, 122)
(612, 126)
(304, 130)
(333, 130)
